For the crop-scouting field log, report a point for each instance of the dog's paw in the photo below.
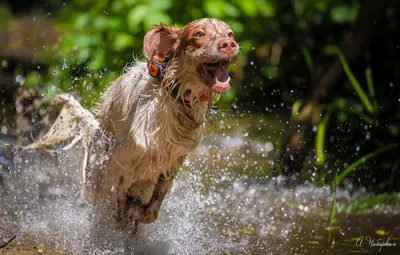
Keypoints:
(142, 214)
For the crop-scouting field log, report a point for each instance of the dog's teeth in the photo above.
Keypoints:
(225, 82)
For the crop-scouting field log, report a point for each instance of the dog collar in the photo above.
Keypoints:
(156, 70)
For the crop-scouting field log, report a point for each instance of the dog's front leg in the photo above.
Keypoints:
(149, 212)
(96, 156)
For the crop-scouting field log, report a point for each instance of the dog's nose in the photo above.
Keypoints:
(227, 45)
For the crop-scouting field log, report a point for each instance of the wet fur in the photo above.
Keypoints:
(143, 134)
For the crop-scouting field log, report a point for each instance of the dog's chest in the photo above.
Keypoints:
(158, 141)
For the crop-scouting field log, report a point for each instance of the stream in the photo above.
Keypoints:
(225, 201)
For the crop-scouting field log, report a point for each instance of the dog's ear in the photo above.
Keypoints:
(160, 42)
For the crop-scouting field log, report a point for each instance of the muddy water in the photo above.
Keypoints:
(224, 202)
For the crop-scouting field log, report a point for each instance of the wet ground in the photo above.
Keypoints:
(225, 202)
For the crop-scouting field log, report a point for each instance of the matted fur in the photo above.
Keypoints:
(149, 126)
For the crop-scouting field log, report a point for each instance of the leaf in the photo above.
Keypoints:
(307, 58)
(250, 8)
(161, 4)
(32, 79)
(331, 228)
(228, 96)
(97, 61)
(100, 22)
(129, 2)
(84, 40)
(320, 139)
(117, 6)
(122, 41)
(237, 27)
(270, 71)
(220, 9)
(82, 21)
(267, 8)
(246, 46)
(381, 232)
(155, 18)
(136, 16)
(355, 84)
(230, 233)
(343, 13)
(246, 231)
(296, 108)
(371, 89)
(363, 159)
(331, 49)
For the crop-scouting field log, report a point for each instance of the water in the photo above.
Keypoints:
(222, 203)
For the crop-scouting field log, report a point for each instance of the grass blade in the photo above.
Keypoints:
(362, 160)
(331, 241)
(320, 139)
(307, 58)
(371, 88)
(296, 108)
(334, 49)
(356, 85)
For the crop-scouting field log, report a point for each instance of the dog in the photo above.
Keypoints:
(150, 118)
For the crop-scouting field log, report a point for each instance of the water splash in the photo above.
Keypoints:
(221, 204)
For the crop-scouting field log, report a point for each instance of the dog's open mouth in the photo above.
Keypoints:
(216, 75)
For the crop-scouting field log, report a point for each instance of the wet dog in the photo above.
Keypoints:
(150, 118)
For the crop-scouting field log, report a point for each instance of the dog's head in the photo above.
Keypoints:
(198, 54)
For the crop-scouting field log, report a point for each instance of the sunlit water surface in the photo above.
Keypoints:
(221, 204)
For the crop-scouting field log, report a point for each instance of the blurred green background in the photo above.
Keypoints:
(287, 48)
(83, 44)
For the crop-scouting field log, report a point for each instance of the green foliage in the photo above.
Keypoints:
(346, 106)
(369, 203)
(100, 37)
(343, 13)
(363, 159)
(353, 81)
(320, 138)
(5, 14)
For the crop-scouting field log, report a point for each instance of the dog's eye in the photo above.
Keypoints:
(230, 34)
(199, 34)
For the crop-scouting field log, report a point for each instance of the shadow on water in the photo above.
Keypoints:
(225, 203)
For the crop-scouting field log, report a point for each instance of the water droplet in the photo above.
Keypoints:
(19, 78)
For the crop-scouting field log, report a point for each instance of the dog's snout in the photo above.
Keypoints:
(227, 45)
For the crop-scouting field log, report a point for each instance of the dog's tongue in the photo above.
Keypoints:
(221, 80)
